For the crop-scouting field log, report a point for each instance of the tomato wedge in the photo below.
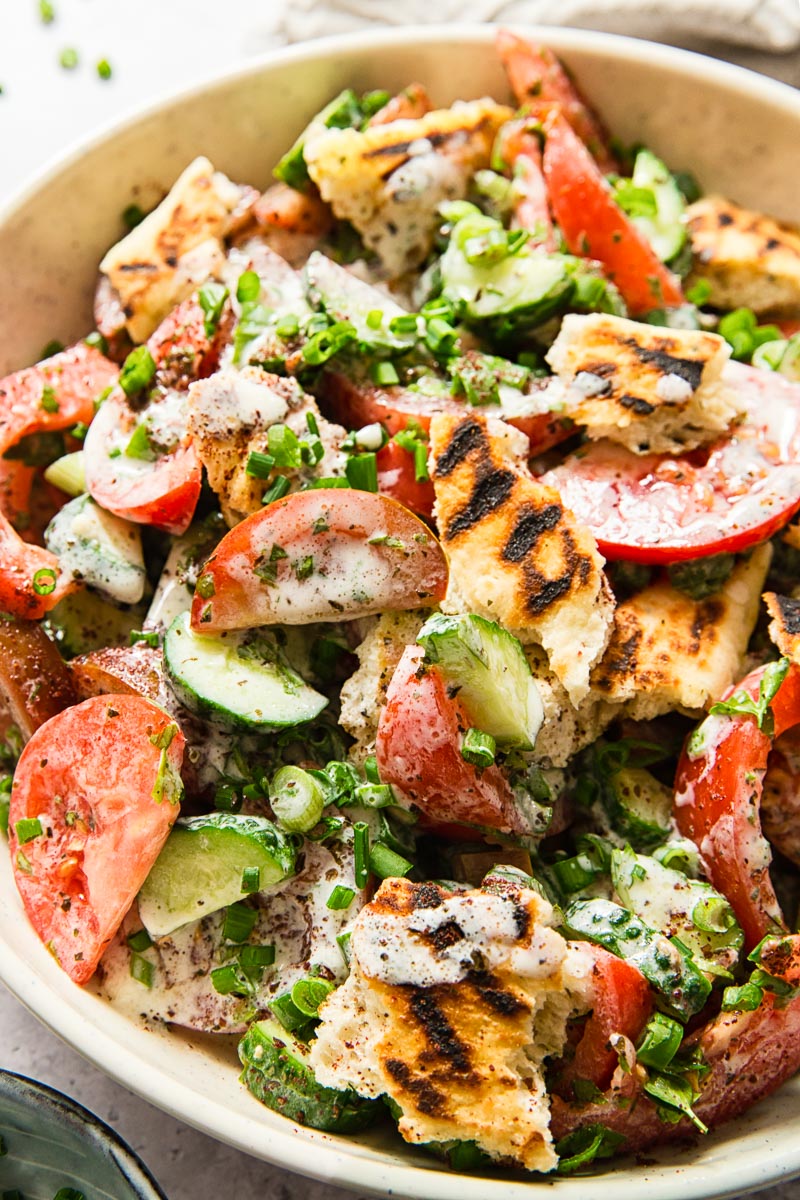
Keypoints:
(31, 582)
(53, 395)
(35, 682)
(397, 479)
(622, 1004)
(103, 780)
(163, 493)
(519, 147)
(328, 554)
(182, 349)
(655, 508)
(354, 404)
(535, 73)
(749, 1054)
(418, 749)
(594, 226)
(718, 789)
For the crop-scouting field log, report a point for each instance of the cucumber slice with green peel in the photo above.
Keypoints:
(663, 225)
(278, 1073)
(638, 806)
(493, 677)
(688, 909)
(99, 548)
(665, 965)
(239, 680)
(210, 862)
(345, 298)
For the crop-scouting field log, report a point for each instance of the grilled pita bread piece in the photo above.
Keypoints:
(784, 628)
(516, 555)
(388, 180)
(453, 1002)
(668, 651)
(749, 260)
(653, 390)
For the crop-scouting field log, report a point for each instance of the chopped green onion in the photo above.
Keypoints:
(255, 958)
(361, 853)
(68, 474)
(205, 587)
(148, 636)
(27, 829)
(713, 915)
(374, 795)
(287, 1012)
(280, 487)
(142, 970)
(371, 769)
(139, 941)
(5, 804)
(140, 446)
(133, 215)
(374, 318)
(323, 345)
(104, 69)
(744, 335)
(24, 863)
(414, 442)
(227, 981)
(248, 287)
(44, 581)
(309, 993)
(304, 567)
(69, 1193)
(211, 298)
(284, 446)
(384, 374)
(362, 472)
(574, 874)
(478, 748)
(699, 293)
(137, 372)
(239, 922)
(660, 1042)
(343, 942)
(49, 401)
(97, 341)
(259, 465)
(746, 998)
(297, 799)
(47, 13)
(251, 880)
(288, 326)
(341, 897)
(386, 864)
(227, 799)
(69, 58)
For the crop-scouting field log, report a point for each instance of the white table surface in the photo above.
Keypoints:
(154, 47)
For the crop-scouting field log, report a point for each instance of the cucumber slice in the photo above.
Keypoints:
(489, 668)
(638, 806)
(345, 298)
(68, 474)
(202, 865)
(277, 1072)
(85, 621)
(688, 909)
(99, 548)
(665, 229)
(239, 680)
(665, 965)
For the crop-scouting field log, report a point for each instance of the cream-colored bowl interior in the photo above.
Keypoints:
(738, 132)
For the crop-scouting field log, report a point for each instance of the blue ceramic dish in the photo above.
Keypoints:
(51, 1142)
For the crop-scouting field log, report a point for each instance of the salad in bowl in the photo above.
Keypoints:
(400, 639)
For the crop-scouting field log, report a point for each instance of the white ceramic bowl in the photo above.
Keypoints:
(738, 132)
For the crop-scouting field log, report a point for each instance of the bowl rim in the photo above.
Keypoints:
(34, 1094)
(330, 1161)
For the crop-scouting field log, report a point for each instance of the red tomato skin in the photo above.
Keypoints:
(717, 797)
(181, 348)
(535, 73)
(594, 226)
(325, 523)
(727, 497)
(397, 478)
(354, 404)
(418, 752)
(77, 376)
(19, 562)
(521, 150)
(622, 1004)
(166, 495)
(96, 760)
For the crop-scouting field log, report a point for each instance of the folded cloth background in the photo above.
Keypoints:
(771, 24)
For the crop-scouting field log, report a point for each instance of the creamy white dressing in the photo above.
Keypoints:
(99, 548)
(482, 930)
(229, 402)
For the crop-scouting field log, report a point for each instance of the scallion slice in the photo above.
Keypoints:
(478, 748)
(341, 897)
(239, 923)
(27, 829)
(297, 799)
(308, 994)
(386, 864)
(362, 472)
(361, 853)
